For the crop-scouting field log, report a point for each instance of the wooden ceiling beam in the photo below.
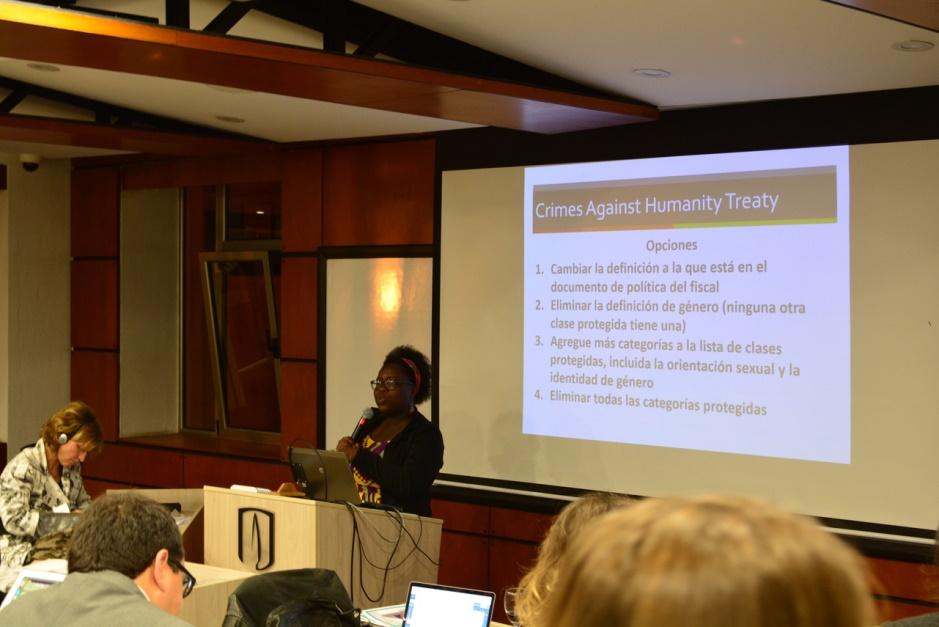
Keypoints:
(64, 37)
(922, 13)
(21, 128)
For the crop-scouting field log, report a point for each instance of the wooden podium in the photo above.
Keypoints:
(266, 532)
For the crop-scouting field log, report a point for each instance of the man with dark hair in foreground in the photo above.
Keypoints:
(125, 568)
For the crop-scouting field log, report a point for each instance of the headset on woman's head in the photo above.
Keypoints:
(65, 437)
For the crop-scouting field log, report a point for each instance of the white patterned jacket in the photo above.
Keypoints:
(26, 490)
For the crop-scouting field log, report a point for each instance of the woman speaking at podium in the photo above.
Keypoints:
(396, 453)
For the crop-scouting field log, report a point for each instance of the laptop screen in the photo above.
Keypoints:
(431, 605)
(30, 580)
(323, 475)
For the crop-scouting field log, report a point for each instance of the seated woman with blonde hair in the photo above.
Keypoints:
(709, 562)
(537, 583)
(41, 487)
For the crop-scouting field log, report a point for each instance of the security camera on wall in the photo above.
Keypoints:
(30, 162)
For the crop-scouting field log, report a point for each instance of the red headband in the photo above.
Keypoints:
(417, 373)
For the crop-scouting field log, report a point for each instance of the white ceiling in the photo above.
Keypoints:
(717, 51)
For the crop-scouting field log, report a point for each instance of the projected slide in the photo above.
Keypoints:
(694, 302)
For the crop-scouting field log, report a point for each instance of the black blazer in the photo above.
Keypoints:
(409, 466)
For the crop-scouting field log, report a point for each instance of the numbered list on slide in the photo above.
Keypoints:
(669, 307)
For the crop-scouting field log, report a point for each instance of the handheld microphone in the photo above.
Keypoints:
(369, 420)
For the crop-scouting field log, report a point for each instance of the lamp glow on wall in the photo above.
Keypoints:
(372, 305)
(387, 288)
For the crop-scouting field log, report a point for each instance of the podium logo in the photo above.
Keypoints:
(255, 537)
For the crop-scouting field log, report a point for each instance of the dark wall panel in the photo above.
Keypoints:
(95, 212)
(200, 471)
(379, 194)
(905, 580)
(464, 561)
(298, 405)
(518, 525)
(508, 561)
(94, 380)
(464, 517)
(97, 487)
(302, 201)
(135, 465)
(298, 307)
(95, 304)
(165, 173)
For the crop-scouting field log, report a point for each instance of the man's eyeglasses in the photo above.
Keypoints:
(189, 582)
(389, 384)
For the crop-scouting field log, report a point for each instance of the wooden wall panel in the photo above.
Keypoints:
(298, 307)
(95, 380)
(464, 561)
(298, 404)
(907, 580)
(508, 561)
(95, 304)
(203, 470)
(198, 171)
(97, 487)
(377, 194)
(466, 517)
(198, 236)
(519, 525)
(893, 610)
(137, 466)
(302, 201)
(95, 212)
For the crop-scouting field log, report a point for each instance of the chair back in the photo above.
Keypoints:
(303, 596)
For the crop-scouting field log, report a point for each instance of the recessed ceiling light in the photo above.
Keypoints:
(231, 119)
(651, 72)
(259, 212)
(913, 45)
(43, 67)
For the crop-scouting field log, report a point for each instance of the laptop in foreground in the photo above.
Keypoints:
(29, 580)
(433, 605)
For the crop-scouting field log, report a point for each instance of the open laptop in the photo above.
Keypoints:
(323, 475)
(29, 580)
(432, 605)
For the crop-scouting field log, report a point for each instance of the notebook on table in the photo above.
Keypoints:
(432, 605)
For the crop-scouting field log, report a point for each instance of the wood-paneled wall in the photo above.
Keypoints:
(361, 194)
(350, 195)
(95, 300)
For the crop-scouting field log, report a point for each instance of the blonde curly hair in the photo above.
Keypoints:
(714, 561)
(538, 582)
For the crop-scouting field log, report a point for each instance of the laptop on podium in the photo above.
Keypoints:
(323, 475)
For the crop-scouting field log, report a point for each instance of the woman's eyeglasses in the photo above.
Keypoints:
(189, 582)
(389, 384)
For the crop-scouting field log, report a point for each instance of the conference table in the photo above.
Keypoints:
(207, 604)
